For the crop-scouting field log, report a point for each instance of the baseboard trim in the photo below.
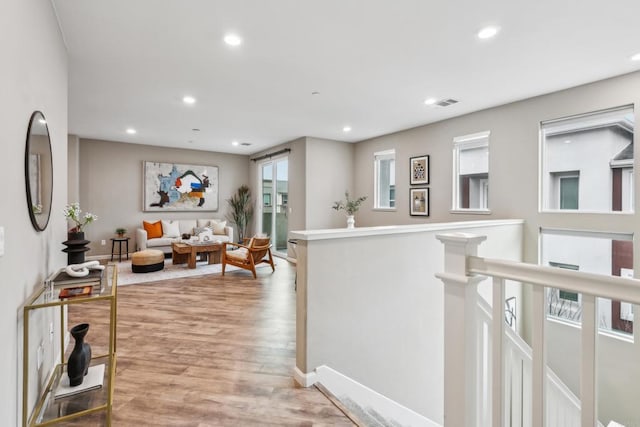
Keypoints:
(304, 380)
(342, 386)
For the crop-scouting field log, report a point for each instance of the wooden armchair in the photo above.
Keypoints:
(250, 254)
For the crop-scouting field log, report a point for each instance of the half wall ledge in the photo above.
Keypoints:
(344, 233)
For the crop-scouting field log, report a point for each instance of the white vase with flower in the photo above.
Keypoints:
(350, 207)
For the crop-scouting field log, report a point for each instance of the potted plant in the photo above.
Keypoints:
(120, 231)
(241, 210)
(72, 212)
(76, 244)
(350, 207)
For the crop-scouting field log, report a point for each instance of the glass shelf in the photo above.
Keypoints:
(93, 404)
(49, 296)
(50, 409)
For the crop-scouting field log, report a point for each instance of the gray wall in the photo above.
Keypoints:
(111, 185)
(34, 77)
(329, 175)
(513, 162)
(513, 193)
(73, 167)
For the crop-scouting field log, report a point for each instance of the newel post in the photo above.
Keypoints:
(460, 351)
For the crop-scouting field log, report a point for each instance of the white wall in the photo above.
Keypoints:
(370, 306)
(34, 77)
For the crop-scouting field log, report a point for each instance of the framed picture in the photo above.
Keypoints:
(179, 187)
(419, 167)
(419, 201)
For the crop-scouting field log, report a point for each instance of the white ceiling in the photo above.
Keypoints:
(373, 62)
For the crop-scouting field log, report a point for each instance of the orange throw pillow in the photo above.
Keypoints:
(153, 229)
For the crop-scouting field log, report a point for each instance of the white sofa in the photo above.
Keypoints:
(185, 226)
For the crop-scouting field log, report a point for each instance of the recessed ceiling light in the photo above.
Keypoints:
(430, 101)
(487, 32)
(315, 92)
(346, 129)
(232, 40)
(235, 143)
(636, 57)
(195, 130)
(131, 131)
(189, 100)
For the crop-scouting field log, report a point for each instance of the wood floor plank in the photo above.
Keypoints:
(208, 351)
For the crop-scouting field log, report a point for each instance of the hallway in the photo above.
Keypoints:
(208, 351)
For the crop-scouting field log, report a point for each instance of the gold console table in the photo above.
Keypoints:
(48, 410)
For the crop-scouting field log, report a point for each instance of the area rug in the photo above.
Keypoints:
(170, 271)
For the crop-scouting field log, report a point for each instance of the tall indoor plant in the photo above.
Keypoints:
(241, 213)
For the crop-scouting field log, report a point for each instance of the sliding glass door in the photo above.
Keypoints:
(273, 203)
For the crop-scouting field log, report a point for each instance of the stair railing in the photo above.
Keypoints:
(465, 400)
(563, 406)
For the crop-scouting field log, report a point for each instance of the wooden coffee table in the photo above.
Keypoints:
(186, 252)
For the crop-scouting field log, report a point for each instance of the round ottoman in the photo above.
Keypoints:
(147, 261)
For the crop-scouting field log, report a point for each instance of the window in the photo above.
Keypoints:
(593, 252)
(569, 192)
(566, 189)
(564, 304)
(587, 162)
(385, 179)
(471, 172)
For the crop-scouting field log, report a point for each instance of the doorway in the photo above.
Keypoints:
(273, 212)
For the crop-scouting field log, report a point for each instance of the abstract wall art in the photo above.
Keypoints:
(179, 187)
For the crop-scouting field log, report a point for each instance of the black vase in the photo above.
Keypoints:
(80, 357)
(76, 247)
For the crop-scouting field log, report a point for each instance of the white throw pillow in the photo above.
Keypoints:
(218, 227)
(170, 229)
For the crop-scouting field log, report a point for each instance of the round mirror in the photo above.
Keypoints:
(38, 167)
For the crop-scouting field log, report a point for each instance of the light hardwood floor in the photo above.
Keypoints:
(209, 351)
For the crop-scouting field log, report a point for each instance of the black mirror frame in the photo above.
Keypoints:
(34, 221)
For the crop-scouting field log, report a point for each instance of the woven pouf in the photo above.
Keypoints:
(147, 261)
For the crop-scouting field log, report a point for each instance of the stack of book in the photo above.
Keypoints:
(78, 291)
(61, 280)
(92, 381)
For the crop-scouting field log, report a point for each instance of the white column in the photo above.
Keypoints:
(460, 350)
